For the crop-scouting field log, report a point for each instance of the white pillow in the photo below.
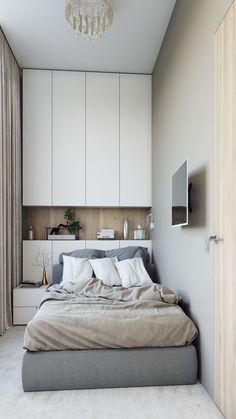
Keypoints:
(76, 273)
(105, 270)
(133, 273)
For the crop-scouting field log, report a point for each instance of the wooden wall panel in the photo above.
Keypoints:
(92, 220)
(225, 210)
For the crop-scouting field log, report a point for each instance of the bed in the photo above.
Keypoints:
(96, 339)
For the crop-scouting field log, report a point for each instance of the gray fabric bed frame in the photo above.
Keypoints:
(107, 368)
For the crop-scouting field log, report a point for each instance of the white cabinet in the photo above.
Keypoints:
(37, 139)
(31, 249)
(61, 246)
(25, 303)
(102, 139)
(68, 138)
(86, 139)
(53, 138)
(22, 315)
(135, 140)
(102, 244)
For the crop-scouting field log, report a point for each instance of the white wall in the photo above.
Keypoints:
(183, 127)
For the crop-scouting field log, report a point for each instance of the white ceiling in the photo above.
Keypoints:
(41, 38)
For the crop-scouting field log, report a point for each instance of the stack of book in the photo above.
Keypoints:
(31, 284)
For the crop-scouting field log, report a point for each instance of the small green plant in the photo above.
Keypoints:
(72, 224)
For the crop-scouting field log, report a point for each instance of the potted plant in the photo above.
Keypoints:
(72, 224)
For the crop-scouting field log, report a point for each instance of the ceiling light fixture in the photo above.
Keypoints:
(89, 19)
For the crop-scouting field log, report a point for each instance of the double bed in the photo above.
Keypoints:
(107, 336)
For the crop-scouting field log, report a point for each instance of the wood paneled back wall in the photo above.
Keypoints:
(91, 219)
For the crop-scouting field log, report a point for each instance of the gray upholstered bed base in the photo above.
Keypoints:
(104, 368)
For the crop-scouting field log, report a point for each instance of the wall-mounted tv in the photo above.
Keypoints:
(180, 196)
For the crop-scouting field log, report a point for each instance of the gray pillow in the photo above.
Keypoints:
(84, 253)
(129, 253)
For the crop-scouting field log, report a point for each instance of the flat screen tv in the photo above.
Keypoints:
(180, 196)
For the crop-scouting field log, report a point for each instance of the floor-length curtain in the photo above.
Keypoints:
(10, 181)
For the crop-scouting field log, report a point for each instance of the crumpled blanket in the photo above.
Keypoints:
(109, 317)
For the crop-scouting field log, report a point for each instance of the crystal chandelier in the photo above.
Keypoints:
(89, 19)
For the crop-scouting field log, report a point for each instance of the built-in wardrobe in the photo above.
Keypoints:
(86, 139)
(225, 215)
(86, 146)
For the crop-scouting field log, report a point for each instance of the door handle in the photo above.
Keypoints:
(208, 241)
(214, 239)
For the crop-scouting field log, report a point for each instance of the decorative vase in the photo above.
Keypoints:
(126, 229)
(44, 278)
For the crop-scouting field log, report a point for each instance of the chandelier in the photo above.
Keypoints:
(89, 19)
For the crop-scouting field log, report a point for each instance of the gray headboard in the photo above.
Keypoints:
(57, 271)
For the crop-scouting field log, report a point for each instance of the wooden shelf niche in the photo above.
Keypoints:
(92, 220)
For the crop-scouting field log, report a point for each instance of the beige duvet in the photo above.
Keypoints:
(109, 317)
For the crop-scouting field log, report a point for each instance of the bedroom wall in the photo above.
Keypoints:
(183, 127)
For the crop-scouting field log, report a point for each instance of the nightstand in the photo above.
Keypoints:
(25, 303)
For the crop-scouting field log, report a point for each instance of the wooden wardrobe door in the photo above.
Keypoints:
(225, 215)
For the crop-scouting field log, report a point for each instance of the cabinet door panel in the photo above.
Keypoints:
(102, 244)
(102, 139)
(23, 315)
(135, 140)
(28, 297)
(37, 137)
(68, 138)
(30, 252)
(61, 246)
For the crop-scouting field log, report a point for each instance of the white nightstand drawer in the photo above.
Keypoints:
(27, 297)
(22, 315)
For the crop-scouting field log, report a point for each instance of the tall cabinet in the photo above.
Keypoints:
(68, 139)
(135, 144)
(86, 139)
(102, 139)
(37, 137)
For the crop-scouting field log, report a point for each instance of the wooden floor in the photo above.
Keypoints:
(179, 402)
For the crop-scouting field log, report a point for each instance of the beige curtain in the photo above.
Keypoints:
(10, 181)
